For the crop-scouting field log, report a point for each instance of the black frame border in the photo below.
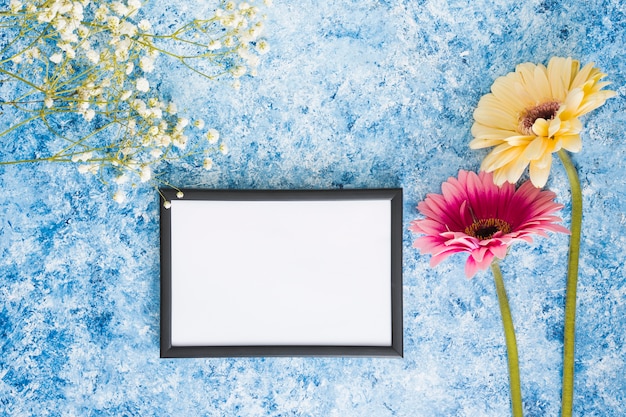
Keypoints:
(396, 348)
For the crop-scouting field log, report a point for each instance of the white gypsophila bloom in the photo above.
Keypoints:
(129, 68)
(89, 115)
(213, 136)
(68, 49)
(125, 95)
(153, 131)
(34, 53)
(146, 64)
(262, 46)
(134, 6)
(83, 31)
(82, 157)
(127, 28)
(145, 174)
(144, 25)
(57, 57)
(224, 149)
(15, 6)
(93, 56)
(101, 14)
(48, 102)
(83, 169)
(214, 45)
(156, 153)
(113, 23)
(164, 141)
(156, 112)
(199, 123)
(142, 85)
(122, 50)
(119, 197)
(171, 108)
(238, 71)
(180, 141)
(207, 164)
(77, 12)
(17, 59)
(119, 8)
(46, 16)
(181, 123)
(122, 179)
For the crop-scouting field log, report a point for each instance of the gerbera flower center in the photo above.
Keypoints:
(545, 111)
(484, 229)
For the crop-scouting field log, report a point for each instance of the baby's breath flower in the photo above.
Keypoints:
(214, 45)
(119, 8)
(142, 85)
(96, 46)
(262, 46)
(146, 64)
(15, 6)
(144, 25)
(238, 71)
(93, 56)
(121, 179)
(119, 197)
(57, 57)
(134, 6)
(127, 28)
(89, 115)
(212, 136)
(113, 23)
(171, 108)
(145, 174)
(224, 149)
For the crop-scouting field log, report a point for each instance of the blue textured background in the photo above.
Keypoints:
(352, 94)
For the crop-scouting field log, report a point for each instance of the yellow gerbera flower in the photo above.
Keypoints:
(533, 112)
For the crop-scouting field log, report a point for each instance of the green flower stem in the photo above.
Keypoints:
(511, 343)
(569, 334)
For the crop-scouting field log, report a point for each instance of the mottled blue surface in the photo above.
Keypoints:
(352, 94)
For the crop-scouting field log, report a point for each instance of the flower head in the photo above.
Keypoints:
(476, 216)
(533, 112)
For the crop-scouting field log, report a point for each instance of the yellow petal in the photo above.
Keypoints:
(540, 127)
(540, 170)
(559, 74)
(571, 142)
(535, 149)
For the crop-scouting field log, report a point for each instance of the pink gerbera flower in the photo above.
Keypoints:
(476, 216)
